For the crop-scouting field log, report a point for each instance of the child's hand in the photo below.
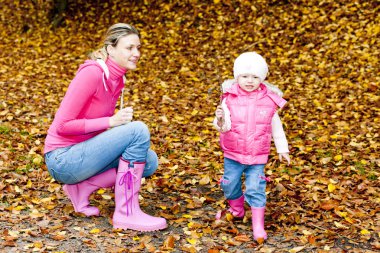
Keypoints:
(219, 113)
(285, 156)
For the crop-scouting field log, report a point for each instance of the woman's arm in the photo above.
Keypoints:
(77, 99)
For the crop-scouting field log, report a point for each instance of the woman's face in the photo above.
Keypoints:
(127, 51)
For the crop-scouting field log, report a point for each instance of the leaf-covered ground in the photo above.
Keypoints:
(323, 54)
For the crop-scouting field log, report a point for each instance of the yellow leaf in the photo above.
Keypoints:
(101, 191)
(338, 158)
(191, 240)
(13, 233)
(36, 214)
(349, 220)
(38, 245)
(322, 139)
(17, 189)
(163, 160)
(305, 232)
(37, 160)
(325, 160)
(339, 225)
(205, 180)
(316, 102)
(94, 231)
(44, 200)
(187, 216)
(179, 118)
(331, 187)
(364, 232)
(164, 119)
(342, 214)
(106, 196)
(229, 216)
(209, 119)
(197, 138)
(297, 249)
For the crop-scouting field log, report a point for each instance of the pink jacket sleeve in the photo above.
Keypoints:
(78, 96)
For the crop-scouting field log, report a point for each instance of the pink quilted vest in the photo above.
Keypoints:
(249, 140)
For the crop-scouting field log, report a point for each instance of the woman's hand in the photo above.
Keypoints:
(122, 117)
(284, 156)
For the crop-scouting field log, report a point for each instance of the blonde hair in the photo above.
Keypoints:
(112, 37)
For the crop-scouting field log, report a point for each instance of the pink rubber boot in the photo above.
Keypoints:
(128, 214)
(258, 223)
(236, 208)
(79, 193)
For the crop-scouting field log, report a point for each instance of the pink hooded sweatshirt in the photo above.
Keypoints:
(88, 104)
(249, 140)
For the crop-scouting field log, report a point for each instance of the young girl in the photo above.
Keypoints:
(87, 141)
(247, 120)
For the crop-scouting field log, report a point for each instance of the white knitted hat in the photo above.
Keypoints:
(251, 63)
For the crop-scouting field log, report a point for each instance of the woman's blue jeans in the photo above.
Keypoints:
(73, 164)
(255, 182)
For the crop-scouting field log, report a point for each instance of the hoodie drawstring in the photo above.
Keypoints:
(104, 82)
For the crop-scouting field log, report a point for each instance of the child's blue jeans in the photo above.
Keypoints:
(73, 164)
(255, 182)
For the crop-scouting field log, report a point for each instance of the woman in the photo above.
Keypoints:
(87, 141)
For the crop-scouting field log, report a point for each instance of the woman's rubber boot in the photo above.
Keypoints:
(236, 208)
(259, 233)
(128, 214)
(80, 193)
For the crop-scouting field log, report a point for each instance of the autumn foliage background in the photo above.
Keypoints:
(324, 55)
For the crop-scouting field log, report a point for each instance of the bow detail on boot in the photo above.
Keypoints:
(128, 214)
(128, 180)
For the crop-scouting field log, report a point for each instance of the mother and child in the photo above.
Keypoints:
(89, 146)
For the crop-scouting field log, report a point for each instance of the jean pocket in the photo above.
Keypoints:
(62, 164)
(70, 156)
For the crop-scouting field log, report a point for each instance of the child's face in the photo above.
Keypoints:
(248, 82)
